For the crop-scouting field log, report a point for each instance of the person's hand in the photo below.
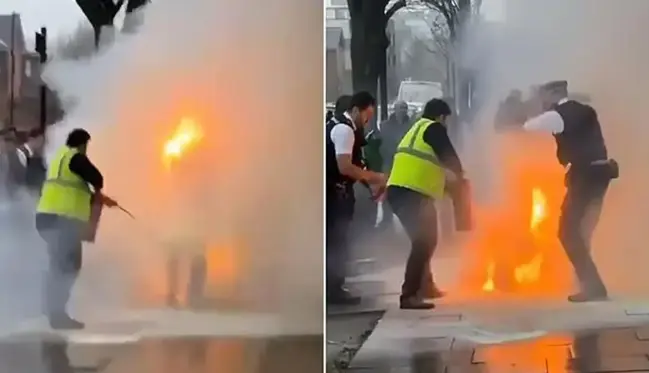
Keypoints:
(377, 178)
(107, 201)
(378, 191)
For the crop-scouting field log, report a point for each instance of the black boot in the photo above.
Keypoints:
(583, 297)
(415, 303)
(342, 297)
(65, 322)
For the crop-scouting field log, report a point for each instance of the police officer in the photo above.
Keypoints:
(581, 149)
(27, 163)
(62, 216)
(424, 159)
(344, 141)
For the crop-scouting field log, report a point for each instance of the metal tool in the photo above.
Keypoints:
(130, 214)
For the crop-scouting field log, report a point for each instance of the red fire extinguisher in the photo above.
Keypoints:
(96, 208)
(460, 194)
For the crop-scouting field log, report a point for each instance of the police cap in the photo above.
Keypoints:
(555, 86)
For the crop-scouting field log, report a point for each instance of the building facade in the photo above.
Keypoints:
(25, 92)
(337, 18)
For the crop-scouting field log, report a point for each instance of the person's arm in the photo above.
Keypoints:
(437, 137)
(549, 121)
(343, 139)
(83, 167)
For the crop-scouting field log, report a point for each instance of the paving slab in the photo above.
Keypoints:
(510, 335)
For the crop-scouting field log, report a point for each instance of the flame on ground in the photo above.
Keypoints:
(527, 272)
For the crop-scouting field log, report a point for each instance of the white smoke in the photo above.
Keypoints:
(600, 47)
(243, 72)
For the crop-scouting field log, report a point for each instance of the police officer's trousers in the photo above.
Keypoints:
(418, 215)
(580, 213)
(338, 219)
(63, 237)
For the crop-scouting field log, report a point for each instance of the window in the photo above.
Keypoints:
(339, 2)
(331, 14)
(342, 13)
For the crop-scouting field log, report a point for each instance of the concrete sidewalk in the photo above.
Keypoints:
(606, 350)
(488, 334)
(165, 341)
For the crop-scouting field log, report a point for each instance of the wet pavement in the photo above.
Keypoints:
(595, 351)
(285, 354)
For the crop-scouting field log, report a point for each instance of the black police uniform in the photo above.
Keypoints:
(340, 202)
(581, 146)
(32, 174)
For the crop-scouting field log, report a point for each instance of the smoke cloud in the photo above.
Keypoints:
(600, 47)
(250, 74)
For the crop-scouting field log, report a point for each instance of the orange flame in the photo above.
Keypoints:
(527, 272)
(187, 134)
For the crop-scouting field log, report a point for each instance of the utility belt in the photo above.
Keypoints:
(341, 191)
(599, 170)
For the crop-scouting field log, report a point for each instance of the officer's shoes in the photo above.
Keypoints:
(431, 292)
(343, 297)
(415, 303)
(65, 322)
(587, 297)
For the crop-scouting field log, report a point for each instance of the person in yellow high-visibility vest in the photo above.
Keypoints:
(423, 161)
(62, 217)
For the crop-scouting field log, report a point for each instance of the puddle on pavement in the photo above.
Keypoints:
(234, 355)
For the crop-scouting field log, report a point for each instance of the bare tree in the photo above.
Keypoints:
(78, 45)
(369, 43)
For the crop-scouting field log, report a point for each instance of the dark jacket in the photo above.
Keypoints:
(581, 141)
(392, 131)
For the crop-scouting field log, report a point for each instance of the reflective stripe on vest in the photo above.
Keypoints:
(415, 166)
(64, 193)
(410, 149)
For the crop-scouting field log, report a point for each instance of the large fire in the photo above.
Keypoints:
(515, 249)
(530, 271)
(182, 150)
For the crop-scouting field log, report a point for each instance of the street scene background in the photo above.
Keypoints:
(187, 115)
(494, 275)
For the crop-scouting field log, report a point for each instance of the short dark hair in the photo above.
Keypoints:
(435, 108)
(77, 137)
(362, 100)
(342, 104)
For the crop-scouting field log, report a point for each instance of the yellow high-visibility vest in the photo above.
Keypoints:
(416, 166)
(64, 193)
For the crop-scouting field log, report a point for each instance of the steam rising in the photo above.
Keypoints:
(241, 71)
(600, 47)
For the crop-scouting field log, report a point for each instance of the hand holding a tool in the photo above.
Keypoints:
(107, 201)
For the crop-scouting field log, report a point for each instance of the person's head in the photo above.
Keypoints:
(329, 115)
(437, 110)
(552, 92)
(342, 104)
(515, 95)
(78, 139)
(401, 110)
(361, 108)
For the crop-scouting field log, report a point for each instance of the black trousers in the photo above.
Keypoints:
(338, 218)
(64, 249)
(580, 212)
(419, 219)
